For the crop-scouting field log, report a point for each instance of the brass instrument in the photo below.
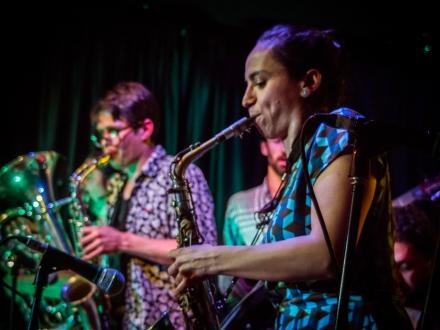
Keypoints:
(78, 208)
(197, 303)
(27, 187)
(78, 291)
(29, 181)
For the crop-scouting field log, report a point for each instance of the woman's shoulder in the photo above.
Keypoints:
(344, 111)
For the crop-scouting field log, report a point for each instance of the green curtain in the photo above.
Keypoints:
(60, 60)
(191, 68)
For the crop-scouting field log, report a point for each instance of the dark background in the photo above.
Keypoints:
(60, 58)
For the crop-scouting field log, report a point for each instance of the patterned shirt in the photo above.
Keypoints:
(374, 302)
(240, 228)
(149, 288)
(240, 219)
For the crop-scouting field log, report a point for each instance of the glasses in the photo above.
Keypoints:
(112, 136)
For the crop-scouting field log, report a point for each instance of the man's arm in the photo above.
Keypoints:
(98, 240)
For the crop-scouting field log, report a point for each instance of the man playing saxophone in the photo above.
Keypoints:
(141, 226)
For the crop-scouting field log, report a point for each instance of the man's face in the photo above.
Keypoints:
(120, 141)
(413, 273)
(274, 150)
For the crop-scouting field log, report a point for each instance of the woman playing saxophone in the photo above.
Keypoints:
(291, 74)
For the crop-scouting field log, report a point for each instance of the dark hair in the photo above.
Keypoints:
(300, 49)
(132, 102)
(413, 226)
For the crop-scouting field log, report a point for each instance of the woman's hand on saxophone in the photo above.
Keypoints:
(192, 265)
(97, 240)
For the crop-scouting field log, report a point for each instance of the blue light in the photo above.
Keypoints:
(17, 179)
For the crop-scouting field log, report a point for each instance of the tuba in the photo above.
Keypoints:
(30, 181)
(28, 186)
(197, 303)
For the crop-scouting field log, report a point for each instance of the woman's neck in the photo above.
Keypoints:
(297, 120)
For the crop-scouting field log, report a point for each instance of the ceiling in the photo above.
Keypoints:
(389, 18)
(359, 18)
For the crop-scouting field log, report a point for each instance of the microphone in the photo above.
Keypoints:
(110, 281)
(379, 136)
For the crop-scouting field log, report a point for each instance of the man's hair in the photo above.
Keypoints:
(300, 49)
(132, 102)
(414, 226)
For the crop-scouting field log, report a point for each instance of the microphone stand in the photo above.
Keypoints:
(41, 281)
(359, 174)
(380, 137)
(14, 272)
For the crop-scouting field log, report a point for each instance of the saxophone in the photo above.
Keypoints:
(197, 303)
(78, 208)
(77, 290)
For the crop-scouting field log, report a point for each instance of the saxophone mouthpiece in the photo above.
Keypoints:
(236, 129)
(252, 121)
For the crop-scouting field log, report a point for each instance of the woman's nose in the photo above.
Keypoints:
(248, 98)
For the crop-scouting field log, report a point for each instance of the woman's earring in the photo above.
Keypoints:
(305, 93)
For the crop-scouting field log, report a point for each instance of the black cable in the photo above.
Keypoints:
(313, 198)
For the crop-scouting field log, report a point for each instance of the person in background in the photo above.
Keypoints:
(292, 73)
(242, 217)
(142, 224)
(414, 251)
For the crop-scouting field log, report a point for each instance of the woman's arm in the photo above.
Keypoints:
(296, 259)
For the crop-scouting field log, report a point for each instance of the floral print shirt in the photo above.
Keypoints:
(149, 288)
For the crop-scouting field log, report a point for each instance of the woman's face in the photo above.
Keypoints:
(270, 93)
